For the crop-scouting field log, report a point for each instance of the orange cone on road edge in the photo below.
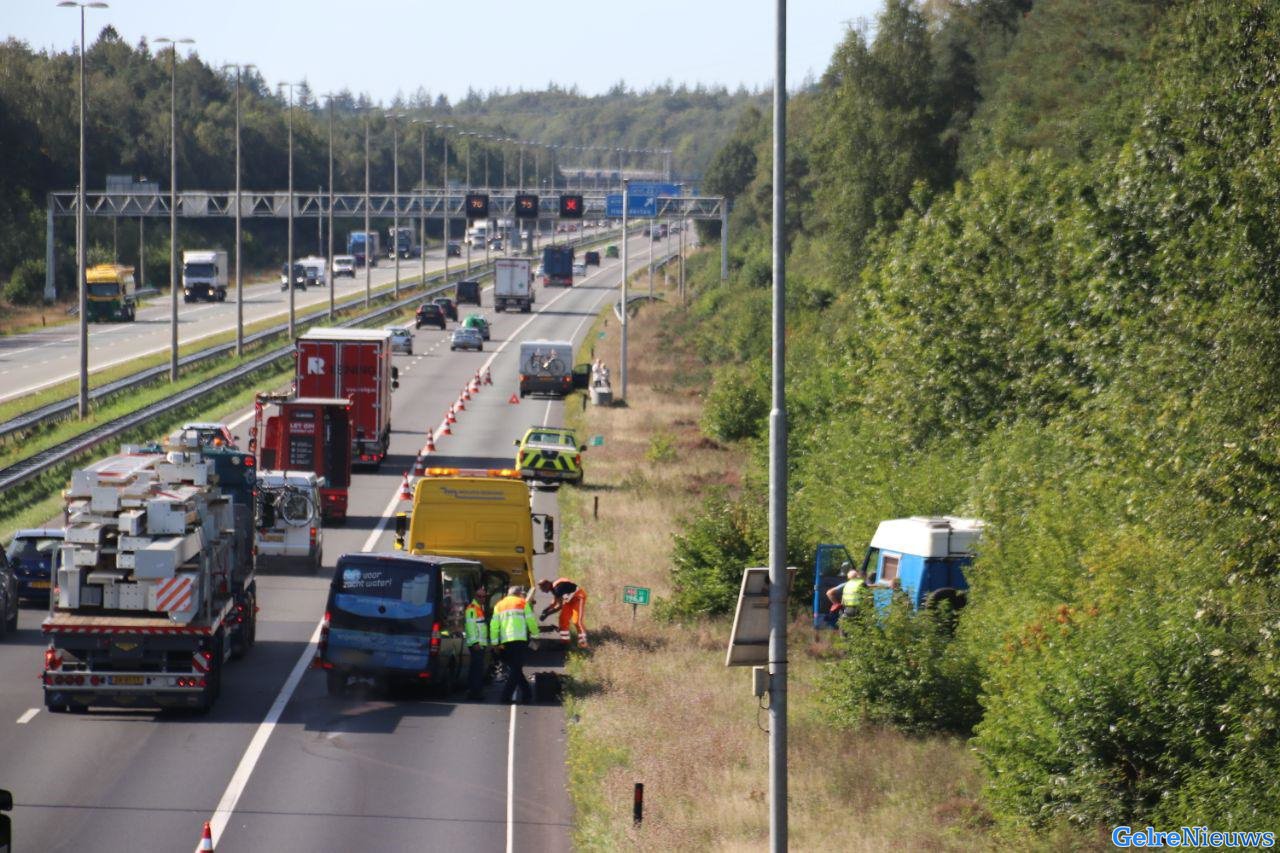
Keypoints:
(449, 418)
(514, 400)
(446, 430)
(206, 839)
(460, 406)
(466, 392)
(420, 464)
(431, 443)
(405, 493)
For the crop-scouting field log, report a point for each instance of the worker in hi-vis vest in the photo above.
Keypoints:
(511, 627)
(571, 602)
(476, 628)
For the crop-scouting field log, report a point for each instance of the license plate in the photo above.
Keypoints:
(273, 537)
(39, 584)
(130, 680)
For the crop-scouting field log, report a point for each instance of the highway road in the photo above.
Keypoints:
(33, 361)
(277, 764)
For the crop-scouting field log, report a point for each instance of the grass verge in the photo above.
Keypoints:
(652, 702)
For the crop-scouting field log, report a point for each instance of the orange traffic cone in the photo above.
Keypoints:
(431, 443)
(420, 464)
(206, 839)
(446, 430)
(449, 418)
(514, 400)
(405, 494)
(460, 405)
(466, 392)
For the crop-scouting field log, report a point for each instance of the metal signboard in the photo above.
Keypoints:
(635, 595)
(637, 205)
(653, 188)
(749, 642)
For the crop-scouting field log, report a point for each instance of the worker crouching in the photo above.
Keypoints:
(571, 603)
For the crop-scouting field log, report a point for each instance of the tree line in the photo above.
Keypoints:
(1031, 277)
(127, 133)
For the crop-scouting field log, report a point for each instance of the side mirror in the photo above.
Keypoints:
(402, 527)
(395, 384)
(395, 373)
(516, 442)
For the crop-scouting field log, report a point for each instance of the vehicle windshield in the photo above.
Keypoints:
(104, 289)
(550, 438)
(30, 550)
(202, 270)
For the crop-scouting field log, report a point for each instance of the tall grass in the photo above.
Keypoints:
(652, 701)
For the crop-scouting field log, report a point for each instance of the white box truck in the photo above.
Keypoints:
(204, 275)
(512, 284)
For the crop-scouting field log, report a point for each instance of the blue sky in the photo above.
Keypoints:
(448, 47)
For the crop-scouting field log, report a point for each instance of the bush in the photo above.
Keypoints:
(737, 405)
(709, 557)
(904, 670)
(660, 449)
(26, 284)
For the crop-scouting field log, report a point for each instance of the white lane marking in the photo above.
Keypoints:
(27, 715)
(235, 788)
(546, 417)
(226, 806)
(238, 421)
(511, 779)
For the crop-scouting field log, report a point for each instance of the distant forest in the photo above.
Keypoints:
(128, 133)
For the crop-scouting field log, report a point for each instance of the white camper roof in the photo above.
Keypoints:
(329, 333)
(929, 536)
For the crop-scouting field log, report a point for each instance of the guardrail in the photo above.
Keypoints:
(35, 465)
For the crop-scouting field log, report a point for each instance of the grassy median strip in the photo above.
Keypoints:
(653, 702)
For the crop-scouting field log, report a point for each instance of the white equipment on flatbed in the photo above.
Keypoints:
(154, 585)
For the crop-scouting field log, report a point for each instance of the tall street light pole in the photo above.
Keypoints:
(444, 199)
(778, 459)
(239, 267)
(625, 308)
(289, 239)
(173, 201)
(422, 199)
(329, 273)
(82, 299)
(368, 243)
(467, 220)
(394, 118)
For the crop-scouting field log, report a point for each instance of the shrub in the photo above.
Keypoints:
(902, 669)
(26, 284)
(661, 450)
(737, 405)
(709, 556)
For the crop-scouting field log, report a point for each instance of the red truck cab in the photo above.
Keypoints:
(355, 365)
(307, 434)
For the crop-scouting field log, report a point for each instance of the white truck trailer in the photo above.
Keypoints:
(154, 586)
(204, 275)
(512, 284)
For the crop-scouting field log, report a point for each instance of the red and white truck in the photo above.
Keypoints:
(355, 365)
(155, 587)
(311, 434)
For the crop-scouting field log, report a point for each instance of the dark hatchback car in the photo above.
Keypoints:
(446, 305)
(429, 314)
(455, 250)
(591, 259)
(31, 556)
(397, 618)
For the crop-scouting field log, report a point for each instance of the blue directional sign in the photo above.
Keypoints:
(637, 205)
(653, 188)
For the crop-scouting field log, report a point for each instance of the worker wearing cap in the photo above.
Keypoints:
(850, 594)
(477, 638)
(571, 602)
(511, 627)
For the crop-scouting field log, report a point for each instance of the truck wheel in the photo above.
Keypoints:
(11, 624)
(335, 682)
(56, 709)
(222, 296)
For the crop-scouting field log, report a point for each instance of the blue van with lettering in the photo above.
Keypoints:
(396, 618)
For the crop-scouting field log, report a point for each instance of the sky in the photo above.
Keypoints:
(385, 47)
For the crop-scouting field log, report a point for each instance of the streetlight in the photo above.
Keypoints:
(82, 296)
(625, 307)
(239, 274)
(332, 278)
(368, 244)
(444, 198)
(394, 118)
(289, 239)
(173, 201)
(467, 221)
(422, 198)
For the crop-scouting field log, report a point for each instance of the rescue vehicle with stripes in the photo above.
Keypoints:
(550, 455)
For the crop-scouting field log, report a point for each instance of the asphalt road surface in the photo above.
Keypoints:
(33, 361)
(279, 765)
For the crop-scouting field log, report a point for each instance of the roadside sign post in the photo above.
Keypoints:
(635, 596)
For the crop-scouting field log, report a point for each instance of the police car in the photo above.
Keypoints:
(550, 455)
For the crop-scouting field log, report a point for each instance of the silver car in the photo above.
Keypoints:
(401, 339)
(466, 338)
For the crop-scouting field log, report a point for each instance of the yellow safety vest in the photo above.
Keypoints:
(851, 596)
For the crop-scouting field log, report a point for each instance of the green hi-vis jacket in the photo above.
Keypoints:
(513, 621)
(477, 633)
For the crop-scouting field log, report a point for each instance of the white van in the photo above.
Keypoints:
(344, 265)
(319, 267)
(288, 529)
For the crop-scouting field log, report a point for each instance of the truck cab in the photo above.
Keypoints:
(923, 557)
(110, 293)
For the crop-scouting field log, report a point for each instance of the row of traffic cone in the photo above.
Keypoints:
(420, 463)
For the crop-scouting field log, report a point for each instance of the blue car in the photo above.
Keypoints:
(396, 618)
(31, 555)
